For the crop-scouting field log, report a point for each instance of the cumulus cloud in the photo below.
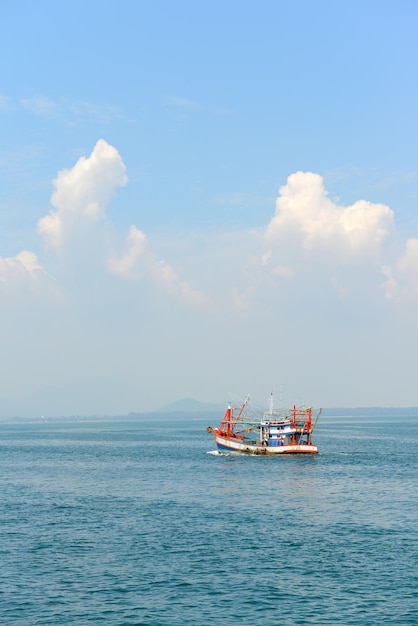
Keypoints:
(23, 266)
(168, 278)
(126, 265)
(403, 279)
(81, 196)
(306, 221)
(408, 263)
(82, 193)
(303, 208)
(137, 260)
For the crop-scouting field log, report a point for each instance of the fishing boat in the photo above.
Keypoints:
(268, 432)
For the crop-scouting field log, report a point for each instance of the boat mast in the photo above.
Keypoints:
(271, 404)
(226, 422)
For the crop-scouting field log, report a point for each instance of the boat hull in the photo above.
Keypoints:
(240, 446)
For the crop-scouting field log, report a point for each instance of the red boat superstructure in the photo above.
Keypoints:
(266, 432)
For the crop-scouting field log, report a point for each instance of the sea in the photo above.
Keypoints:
(143, 523)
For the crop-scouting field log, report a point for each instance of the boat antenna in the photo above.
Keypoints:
(271, 403)
(281, 394)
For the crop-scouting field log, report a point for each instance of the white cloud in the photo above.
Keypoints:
(41, 106)
(390, 285)
(284, 271)
(69, 111)
(101, 113)
(305, 223)
(80, 198)
(243, 300)
(165, 275)
(82, 193)
(4, 101)
(402, 282)
(184, 103)
(23, 266)
(408, 263)
(187, 105)
(126, 265)
(304, 209)
(137, 261)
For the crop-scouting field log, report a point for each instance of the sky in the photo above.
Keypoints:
(201, 199)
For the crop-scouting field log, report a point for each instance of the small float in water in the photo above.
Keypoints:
(266, 432)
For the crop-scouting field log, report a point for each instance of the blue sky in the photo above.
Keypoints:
(208, 198)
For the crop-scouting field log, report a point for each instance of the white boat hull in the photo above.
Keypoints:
(225, 444)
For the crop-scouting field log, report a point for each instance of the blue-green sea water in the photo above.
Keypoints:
(137, 523)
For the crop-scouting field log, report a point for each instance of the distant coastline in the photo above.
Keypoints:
(209, 412)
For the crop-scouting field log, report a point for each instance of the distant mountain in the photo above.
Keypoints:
(190, 405)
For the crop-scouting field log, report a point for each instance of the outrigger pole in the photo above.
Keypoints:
(229, 414)
(316, 420)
